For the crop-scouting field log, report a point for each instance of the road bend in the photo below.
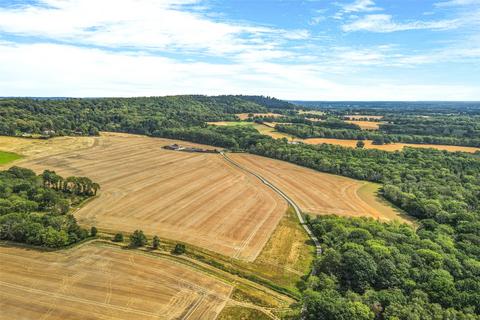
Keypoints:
(284, 196)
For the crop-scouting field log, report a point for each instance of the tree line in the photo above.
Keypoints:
(34, 208)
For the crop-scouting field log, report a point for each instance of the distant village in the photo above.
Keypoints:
(177, 147)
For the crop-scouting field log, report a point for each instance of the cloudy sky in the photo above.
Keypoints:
(291, 49)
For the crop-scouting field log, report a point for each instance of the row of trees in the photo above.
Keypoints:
(138, 239)
(34, 209)
(76, 185)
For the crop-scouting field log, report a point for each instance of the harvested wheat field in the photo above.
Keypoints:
(321, 193)
(31, 148)
(100, 282)
(196, 198)
(366, 125)
(390, 146)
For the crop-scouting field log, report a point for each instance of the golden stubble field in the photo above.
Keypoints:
(189, 197)
(99, 282)
(321, 193)
(388, 147)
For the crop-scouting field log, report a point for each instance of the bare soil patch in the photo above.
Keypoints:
(95, 282)
(189, 197)
(320, 193)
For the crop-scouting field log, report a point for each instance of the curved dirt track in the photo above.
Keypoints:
(316, 192)
(190, 197)
(95, 282)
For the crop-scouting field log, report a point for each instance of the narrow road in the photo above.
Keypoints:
(284, 196)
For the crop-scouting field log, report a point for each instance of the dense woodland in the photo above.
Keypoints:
(21, 116)
(35, 209)
(369, 270)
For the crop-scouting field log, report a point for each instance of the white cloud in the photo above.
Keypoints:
(384, 23)
(142, 24)
(360, 6)
(61, 70)
(356, 7)
(454, 3)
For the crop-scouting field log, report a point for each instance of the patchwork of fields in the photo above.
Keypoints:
(190, 197)
(94, 282)
(388, 147)
(321, 193)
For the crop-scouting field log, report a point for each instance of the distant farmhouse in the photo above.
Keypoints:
(177, 147)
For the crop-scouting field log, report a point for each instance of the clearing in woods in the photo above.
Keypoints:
(196, 198)
(365, 125)
(322, 193)
(100, 282)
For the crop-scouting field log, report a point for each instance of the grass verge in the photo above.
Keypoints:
(241, 313)
(7, 157)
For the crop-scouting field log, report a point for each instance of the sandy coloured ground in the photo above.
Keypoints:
(32, 148)
(320, 193)
(190, 197)
(366, 125)
(99, 282)
(388, 147)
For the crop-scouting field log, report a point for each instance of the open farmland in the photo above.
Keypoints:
(196, 198)
(99, 282)
(31, 148)
(321, 193)
(390, 146)
(366, 125)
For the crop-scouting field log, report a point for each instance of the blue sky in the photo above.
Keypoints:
(309, 50)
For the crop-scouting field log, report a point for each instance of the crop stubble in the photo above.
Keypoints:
(189, 197)
(95, 282)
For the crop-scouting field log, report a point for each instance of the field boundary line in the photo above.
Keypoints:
(305, 226)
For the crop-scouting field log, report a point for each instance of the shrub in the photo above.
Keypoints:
(118, 237)
(179, 248)
(155, 242)
(138, 239)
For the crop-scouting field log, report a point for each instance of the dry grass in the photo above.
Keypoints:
(288, 254)
(270, 131)
(94, 282)
(33, 148)
(189, 197)
(244, 116)
(321, 193)
(366, 125)
(388, 147)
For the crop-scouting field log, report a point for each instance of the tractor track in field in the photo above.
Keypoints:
(284, 196)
